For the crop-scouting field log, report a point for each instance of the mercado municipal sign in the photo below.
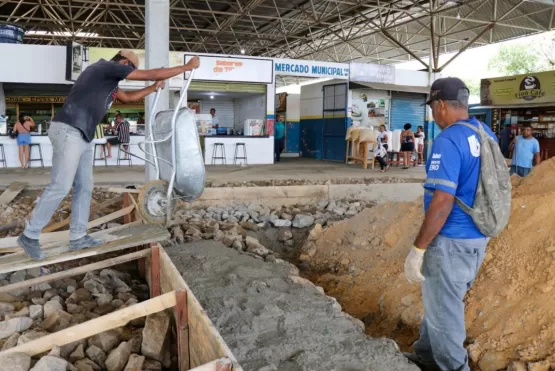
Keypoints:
(295, 67)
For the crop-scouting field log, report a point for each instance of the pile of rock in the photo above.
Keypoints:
(237, 226)
(298, 216)
(30, 314)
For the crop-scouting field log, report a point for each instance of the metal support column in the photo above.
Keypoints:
(157, 54)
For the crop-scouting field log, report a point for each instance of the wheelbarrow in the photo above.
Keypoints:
(175, 153)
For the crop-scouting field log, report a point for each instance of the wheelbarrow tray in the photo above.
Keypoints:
(189, 175)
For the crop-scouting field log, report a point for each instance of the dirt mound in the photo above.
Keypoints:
(510, 311)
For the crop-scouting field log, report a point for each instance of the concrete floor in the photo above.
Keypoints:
(288, 169)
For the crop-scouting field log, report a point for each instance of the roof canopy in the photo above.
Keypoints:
(386, 31)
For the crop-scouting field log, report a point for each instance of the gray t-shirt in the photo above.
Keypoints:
(92, 95)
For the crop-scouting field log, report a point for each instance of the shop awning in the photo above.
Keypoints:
(392, 87)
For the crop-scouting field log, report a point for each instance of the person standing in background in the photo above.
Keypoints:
(381, 155)
(505, 140)
(407, 145)
(279, 137)
(215, 120)
(23, 130)
(525, 149)
(420, 138)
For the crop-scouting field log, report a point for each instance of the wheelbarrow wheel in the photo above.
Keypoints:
(152, 202)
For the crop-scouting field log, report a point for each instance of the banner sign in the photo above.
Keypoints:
(74, 61)
(368, 72)
(295, 67)
(520, 89)
(234, 69)
(51, 99)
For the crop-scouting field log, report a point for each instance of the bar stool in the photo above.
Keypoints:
(236, 155)
(215, 153)
(121, 154)
(3, 159)
(100, 158)
(31, 159)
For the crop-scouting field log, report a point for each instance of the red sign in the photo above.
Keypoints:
(270, 127)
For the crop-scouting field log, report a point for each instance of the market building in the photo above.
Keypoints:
(522, 99)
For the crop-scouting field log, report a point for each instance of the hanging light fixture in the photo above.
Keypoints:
(459, 10)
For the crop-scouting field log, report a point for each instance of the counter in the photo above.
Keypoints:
(260, 149)
(12, 154)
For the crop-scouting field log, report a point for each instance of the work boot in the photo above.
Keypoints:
(418, 362)
(84, 243)
(31, 247)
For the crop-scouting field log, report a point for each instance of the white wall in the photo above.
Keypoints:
(253, 107)
(33, 64)
(411, 78)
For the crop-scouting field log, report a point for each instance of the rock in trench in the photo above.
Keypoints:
(96, 355)
(155, 335)
(10, 327)
(50, 363)
(87, 365)
(15, 362)
(281, 223)
(303, 221)
(106, 340)
(78, 354)
(118, 357)
(135, 362)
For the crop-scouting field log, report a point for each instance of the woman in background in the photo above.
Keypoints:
(420, 137)
(407, 144)
(23, 130)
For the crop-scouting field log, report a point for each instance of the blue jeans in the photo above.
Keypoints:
(72, 165)
(450, 266)
(520, 171)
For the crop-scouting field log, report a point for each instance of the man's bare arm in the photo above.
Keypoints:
(158, 74)
(135, 95)
(537, 158)
(438, 211)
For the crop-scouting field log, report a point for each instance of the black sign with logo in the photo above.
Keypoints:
(530, 89)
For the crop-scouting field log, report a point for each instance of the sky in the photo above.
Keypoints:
(473, 63)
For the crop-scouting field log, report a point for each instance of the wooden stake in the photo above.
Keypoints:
(130, 217)
(95, 326)
(155, 271)
(182, 327)
(75, 271)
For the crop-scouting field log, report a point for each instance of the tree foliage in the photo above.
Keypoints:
(516, 60)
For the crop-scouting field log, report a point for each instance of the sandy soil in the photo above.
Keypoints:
(510, 311)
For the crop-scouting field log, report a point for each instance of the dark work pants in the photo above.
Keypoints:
(381, 160)
(279, 146)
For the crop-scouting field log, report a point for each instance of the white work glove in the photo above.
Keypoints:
(413, 265)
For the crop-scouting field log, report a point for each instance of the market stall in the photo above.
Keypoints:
(523, 99)
(234, 100)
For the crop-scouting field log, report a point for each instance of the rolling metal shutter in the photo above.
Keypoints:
(222, 87)
(407, 108)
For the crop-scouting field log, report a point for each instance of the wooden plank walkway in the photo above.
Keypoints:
(11, 192)
(119, 238)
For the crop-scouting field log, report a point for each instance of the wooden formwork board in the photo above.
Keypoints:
(200, 346)
(119, 238)
(206, 343)
(11, 192)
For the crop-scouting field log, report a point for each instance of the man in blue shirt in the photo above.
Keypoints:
(279, 137)
(449, 248)
(525, 149)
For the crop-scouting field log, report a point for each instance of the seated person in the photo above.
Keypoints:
(122, 132)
